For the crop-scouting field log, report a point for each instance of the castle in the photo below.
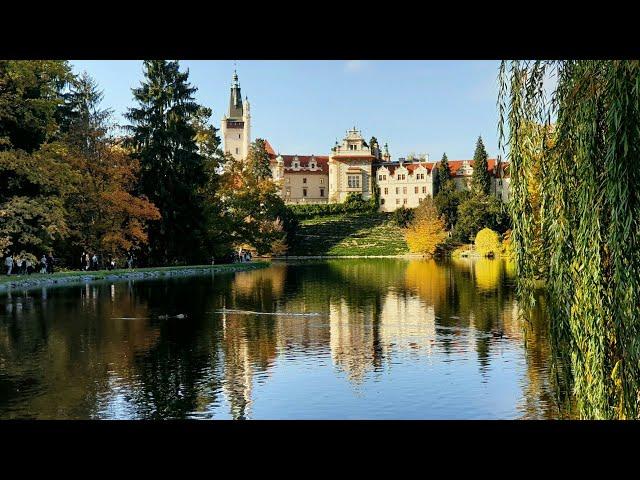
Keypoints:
(352, 167)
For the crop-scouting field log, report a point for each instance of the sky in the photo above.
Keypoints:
(303, 107)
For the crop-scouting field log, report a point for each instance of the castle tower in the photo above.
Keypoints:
(236, 126)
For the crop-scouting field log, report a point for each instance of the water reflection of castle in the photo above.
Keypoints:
(375, 313)
(365, 326)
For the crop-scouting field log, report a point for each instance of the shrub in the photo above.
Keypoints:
(488, 242)
(353, 204)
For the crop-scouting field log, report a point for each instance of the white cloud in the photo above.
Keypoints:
(354, 66)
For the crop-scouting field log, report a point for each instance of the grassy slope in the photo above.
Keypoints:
(350, 234)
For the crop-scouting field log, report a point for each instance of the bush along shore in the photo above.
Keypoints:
(68, 277)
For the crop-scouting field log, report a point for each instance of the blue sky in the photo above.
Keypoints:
(302, 107)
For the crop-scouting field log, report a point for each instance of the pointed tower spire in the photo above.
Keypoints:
(235, 99)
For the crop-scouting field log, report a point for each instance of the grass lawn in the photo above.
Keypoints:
(350, 234)
(100, 274)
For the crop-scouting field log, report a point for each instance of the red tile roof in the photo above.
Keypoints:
(269, 148)
(454, 166)
(322, 164)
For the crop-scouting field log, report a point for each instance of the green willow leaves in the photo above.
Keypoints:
(575, 178)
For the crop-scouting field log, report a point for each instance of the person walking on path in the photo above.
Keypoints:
(83, 260)
(94, 261)
(28, 268)
(87, 261)
(18, 264)
(43, 264)
(50, 263)
(9, 263)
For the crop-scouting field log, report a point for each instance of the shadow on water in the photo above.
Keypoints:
(396, 339)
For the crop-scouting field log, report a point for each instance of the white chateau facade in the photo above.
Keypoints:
(352, 167)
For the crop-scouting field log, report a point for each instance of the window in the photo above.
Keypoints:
(397, 190)
(296, 164)
(415, 190)
(321, 181)
(404, 190)
(382, 201)
(386, 191)
(353, 181)
(238, 135)
(424, 189)
(380, 177)
(304, 192)
(312, 166)
(322, 192)
(397, 201)
(404, 201)
(304, 180)
(237, 150)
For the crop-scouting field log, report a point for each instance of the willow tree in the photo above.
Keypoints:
(584, 243)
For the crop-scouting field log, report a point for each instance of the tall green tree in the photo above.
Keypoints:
(590, 225)
(481, 180)
(163, 138)
(442, 174)
(34, 180)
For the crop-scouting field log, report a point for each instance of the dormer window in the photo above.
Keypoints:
(312, 165)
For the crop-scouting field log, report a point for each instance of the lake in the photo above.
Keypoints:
(318, 339)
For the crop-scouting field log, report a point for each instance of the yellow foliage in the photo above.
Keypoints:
(425, 236)
(426, 231)
(487, 273)
(488, 242)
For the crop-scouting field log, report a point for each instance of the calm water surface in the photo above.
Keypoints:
(337, 339)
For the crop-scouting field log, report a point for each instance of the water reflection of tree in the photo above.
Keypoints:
(59, 351)
(72, 347)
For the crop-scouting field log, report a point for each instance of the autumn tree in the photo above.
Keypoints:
(427, 230)
(487, 242)
(255, 214)
(34, 179)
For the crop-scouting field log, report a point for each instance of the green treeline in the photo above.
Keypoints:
(73, 181)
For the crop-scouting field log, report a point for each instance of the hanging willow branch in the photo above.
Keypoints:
(575, 204)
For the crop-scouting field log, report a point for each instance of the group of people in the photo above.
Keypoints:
(92, 262)
(22, 264)
(243, 256)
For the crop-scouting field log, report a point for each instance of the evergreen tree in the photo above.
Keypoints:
(481, 181)
(375, 147)
(442, 174)
(172, 169)
(81, 118)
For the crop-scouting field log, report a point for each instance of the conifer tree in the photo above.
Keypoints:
(481, 180)
(172, 170)
(442, 174)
